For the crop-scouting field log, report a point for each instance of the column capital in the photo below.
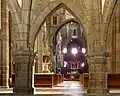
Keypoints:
(93, 54)
(96, 58)
(23, 55)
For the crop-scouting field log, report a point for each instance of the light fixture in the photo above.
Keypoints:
(64, 50)
(60, 38)
(82, 65)
(83, 50)
(74, 51)
(71, 22)
(65, 64)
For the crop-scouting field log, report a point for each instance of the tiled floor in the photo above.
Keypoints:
(68, 88)
(71, 88)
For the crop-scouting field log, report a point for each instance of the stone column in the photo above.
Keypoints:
(0, 61)
(113, 44)
(40, 55)
(97, 62)
(97, 76)
(4, 45)
(0, 14)
(108, 65)
(111, 47)
(117, 29)
(49, 40)
(23, 72)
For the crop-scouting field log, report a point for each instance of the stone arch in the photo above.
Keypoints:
(111, 40)
(67, 21)
(14, 9)
(76, 11)
(109, 7)
(59, 26)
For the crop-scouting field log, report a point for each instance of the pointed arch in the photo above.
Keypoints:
(109, 7)
(68, 21)
(15, 9)
(76, 11)
(65, 22)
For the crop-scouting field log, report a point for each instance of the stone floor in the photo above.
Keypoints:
(68, 88)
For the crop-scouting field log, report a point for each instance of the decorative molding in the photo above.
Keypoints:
(14, 7)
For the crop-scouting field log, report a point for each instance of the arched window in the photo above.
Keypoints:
(74, 32)
(54, 20)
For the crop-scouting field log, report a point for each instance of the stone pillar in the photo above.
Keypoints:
(97, 62)
(117, 29)
(4, 46)
(61, 58)
(108, 65)
(0, 61)
(40, 55)
(23, 72)
(110, 47)
(97, 76)
(49, 40)
(113, 45)
(0, 14)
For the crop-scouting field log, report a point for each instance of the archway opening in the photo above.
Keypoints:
(48, 30)
(69, 51)
(54, 35)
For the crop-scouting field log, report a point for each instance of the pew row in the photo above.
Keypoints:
(43, 79)
(113, 80)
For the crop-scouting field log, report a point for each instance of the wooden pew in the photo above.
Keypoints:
(113, 80)
(61, 78)
(84, 78)
(57, 79)
(50, 80)
(47, 79)
(43, 79)
(12, 81)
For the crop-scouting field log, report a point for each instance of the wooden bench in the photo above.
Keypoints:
(113, 80)
(43, 79)
(47, 79)
(57, 79)
(84, 79)
(12, 82)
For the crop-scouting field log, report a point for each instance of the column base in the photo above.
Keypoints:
(4, 87)
(97, 92)
(23, 91)
(97, 95)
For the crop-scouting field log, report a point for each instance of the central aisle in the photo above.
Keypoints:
(68, 88)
